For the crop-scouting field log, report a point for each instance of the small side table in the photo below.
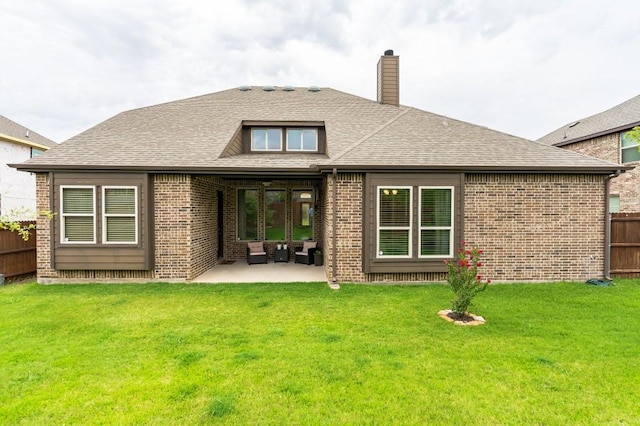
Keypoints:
(281, 255)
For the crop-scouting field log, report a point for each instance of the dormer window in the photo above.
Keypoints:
(302, 140)
(294, 137)
(266, 139)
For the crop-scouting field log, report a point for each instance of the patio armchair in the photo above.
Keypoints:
(256, 253)
(306, 253)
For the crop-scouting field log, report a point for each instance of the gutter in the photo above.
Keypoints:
(334, 258)
(607, 227)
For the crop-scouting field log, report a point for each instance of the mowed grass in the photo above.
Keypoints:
(561, 353)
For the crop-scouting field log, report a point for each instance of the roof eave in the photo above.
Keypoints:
(245, 171)
(23, 142)
(597, 134)
(480, 169)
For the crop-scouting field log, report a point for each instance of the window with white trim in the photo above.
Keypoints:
(394, 222)
(77, 214)
(119, 217)
(266, 139)
(628, 149)
(436, 222)
(302, 140)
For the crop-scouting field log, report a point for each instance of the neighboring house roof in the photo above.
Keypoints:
(13, 132)
(621, 117)
(191, 135)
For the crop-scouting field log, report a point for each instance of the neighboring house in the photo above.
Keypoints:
(18, 190)
(604, 136)
(166, 192)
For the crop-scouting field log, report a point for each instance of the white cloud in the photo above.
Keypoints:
(519, 66)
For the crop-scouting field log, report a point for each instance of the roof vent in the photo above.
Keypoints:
(314, 89)
(388, 52)
(244, 88)
(269, 88)
(288, 88)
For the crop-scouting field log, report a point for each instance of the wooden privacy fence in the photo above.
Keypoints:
(625, 245)
(17, 257)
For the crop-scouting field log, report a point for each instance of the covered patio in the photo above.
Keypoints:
(240, 272)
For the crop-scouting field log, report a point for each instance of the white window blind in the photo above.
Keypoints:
(394, 221)
(78, 214)
(436, 221)
(120, 215)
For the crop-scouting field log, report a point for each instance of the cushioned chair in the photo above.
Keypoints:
(256, 253)
(306, 253)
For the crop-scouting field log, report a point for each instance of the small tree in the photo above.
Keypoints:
(634, 134)
(12, 223)
(464, 279)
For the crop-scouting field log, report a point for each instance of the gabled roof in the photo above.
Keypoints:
(13, 132)
(621, 117)
(191, 135)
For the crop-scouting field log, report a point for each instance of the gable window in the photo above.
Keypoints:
(302, 140)
(120, 222)
(78, 220)
(628, 149)
(266, 139)
(394, 221)
(247, 211)
(436, 222)
(274, 214)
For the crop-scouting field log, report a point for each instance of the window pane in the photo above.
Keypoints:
(394, 242)
(394, 207)
(630, 155)
(435, 207)
(78, 229)
(247, 214)
(627, 141)
(303, 209)
(310, 140)
(294, 139)
(274, 214)
(435, 242)
(121, 229)
(77, 201)
(120, 201)
(274, 139)
(258, 139)
(614, 204)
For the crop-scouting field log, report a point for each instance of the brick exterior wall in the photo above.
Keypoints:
(537, 227)
(627, 185)
(532, 227)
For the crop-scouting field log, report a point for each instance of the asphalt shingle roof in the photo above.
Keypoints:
(621, 117)
(18, 131)
(192, 134)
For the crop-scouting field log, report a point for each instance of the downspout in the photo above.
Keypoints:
(607, 227)
(334, 258)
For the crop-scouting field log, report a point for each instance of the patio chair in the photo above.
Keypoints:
(256, 253)
(306, 253)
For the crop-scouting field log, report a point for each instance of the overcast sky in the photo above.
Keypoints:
(523, 67)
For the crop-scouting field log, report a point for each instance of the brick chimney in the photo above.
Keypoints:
(388, 79)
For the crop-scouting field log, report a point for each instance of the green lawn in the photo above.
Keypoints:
(553, 354)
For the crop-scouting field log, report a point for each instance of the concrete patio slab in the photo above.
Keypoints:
(281, 272)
